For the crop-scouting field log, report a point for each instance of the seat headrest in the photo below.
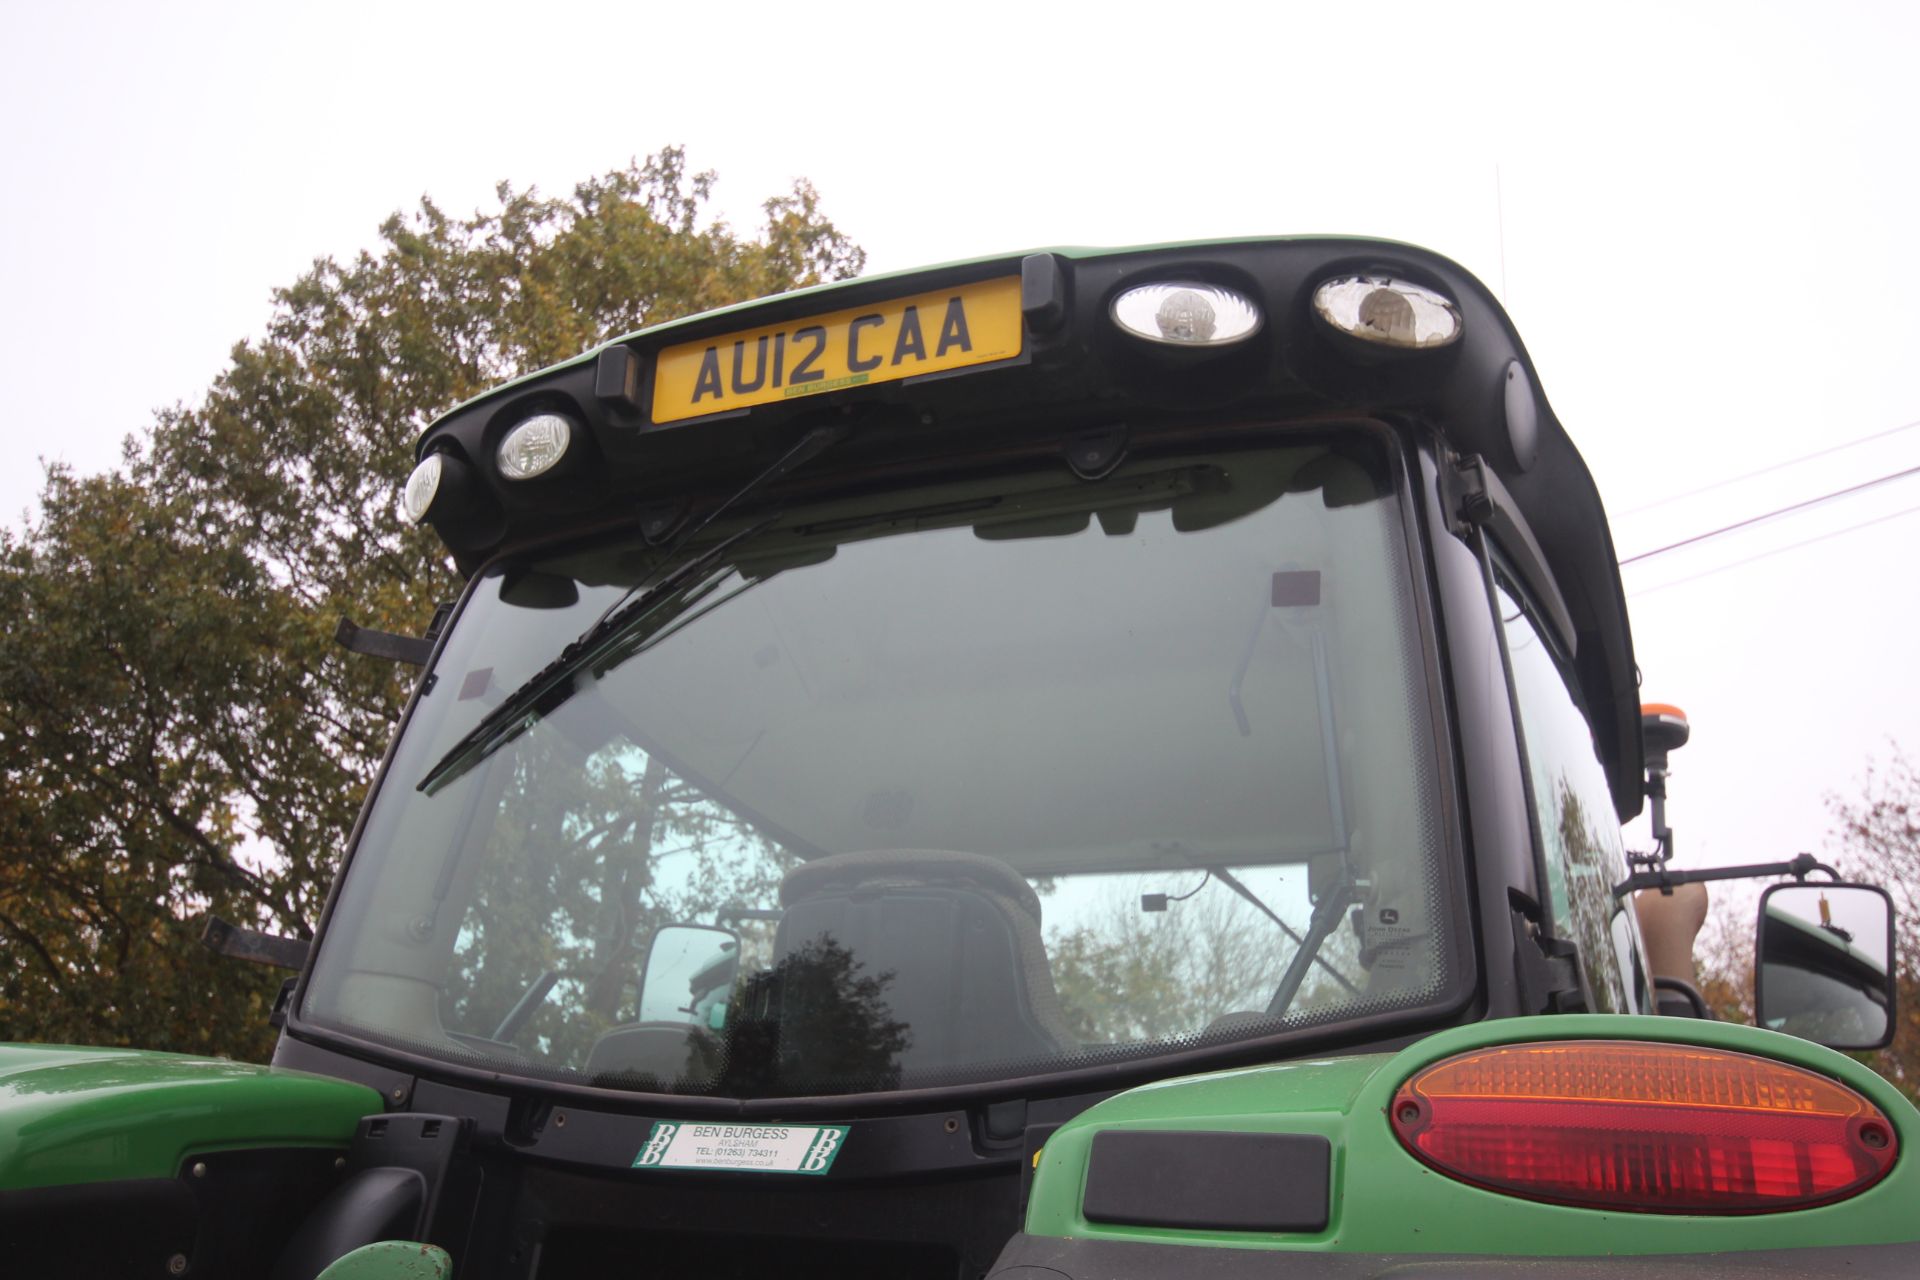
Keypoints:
(907, 866)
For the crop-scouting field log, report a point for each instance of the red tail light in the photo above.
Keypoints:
(1653, 1128)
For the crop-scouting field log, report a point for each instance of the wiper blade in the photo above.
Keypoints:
(811, 445)
(550, 687)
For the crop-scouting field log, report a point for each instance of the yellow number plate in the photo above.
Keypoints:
(903, 338)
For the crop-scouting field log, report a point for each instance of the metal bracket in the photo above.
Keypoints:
(1043, 292)
(1658, 877)
(657, 523)
(1464, 493)
(1549, 970)
(616, 376)
(383, 644)
(1688, 993)
(1093, 454)
(282, 1004)
(1475, 498)
(224, 938)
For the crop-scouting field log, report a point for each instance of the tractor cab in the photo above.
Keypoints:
(1007, 769)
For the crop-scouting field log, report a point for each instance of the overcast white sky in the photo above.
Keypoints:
(1701, 216)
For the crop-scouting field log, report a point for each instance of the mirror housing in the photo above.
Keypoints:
(1823, 964)
(689, 975)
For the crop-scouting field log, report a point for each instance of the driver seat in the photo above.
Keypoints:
(954, 941)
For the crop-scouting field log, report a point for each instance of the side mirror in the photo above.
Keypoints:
(689, 975)
(1823, 964)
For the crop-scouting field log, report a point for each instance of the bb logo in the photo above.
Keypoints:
(657, 1143)
(820, 1154)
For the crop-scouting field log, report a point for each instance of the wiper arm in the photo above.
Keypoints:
(810, 446)
(1239, 886)
(550, 687)
(1325, 918)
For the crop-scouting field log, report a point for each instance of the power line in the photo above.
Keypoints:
(1778, 466)
(1791, 546)
(1774, 514)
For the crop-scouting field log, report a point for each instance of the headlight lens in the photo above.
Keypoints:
(417, 498)
(1185, 314)
(1393, 313)
(533, 447)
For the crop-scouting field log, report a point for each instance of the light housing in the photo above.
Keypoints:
(534, 447)
(1388, 312)
(416, 500)
(1183, 313)
(1643, 1127)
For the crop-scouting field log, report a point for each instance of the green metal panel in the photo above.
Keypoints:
(392, 1260)
(73, 1115)
(1385, 1201)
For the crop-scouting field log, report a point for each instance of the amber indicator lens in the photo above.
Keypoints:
(1652, 1128)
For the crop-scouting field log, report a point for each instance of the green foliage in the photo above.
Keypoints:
(1581, 871)
(1879, 838)
(569, 883)
(814, 1023)
(178, 734)
(1130, 976)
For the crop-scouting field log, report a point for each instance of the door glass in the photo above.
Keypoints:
(1579, 837)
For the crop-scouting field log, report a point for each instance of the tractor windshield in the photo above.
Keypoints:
(985, 779)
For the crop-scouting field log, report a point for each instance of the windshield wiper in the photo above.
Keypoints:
(554, 684)
(1320, 925)
(550, 687)
(1234, 883)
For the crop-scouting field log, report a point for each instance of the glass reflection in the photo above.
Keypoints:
(1823, 964)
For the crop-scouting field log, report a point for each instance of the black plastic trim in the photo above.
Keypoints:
(1218, 1180)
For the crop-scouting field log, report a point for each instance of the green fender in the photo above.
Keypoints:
(391, 1260)
(1385, 1201)
(73, 1115)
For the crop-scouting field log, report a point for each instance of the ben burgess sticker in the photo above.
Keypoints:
(763, 1148)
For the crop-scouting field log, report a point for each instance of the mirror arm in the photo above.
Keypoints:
(1686, 991)
(239, 943)
(1800, 867)
(382, 644)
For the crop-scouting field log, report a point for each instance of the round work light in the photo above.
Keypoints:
(1392, 313)
(422, 487)
(1185, 314)
(534, 447)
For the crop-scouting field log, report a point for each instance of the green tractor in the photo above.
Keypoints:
(1072, 766)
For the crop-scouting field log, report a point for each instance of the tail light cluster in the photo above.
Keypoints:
(1649, 1128)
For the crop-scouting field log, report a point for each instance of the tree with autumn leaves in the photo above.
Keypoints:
(1876, 841)
(1880, 834)
(179, 735)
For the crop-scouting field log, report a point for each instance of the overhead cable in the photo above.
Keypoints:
(1767, 470)
(1791, 546)
(1772, 515)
